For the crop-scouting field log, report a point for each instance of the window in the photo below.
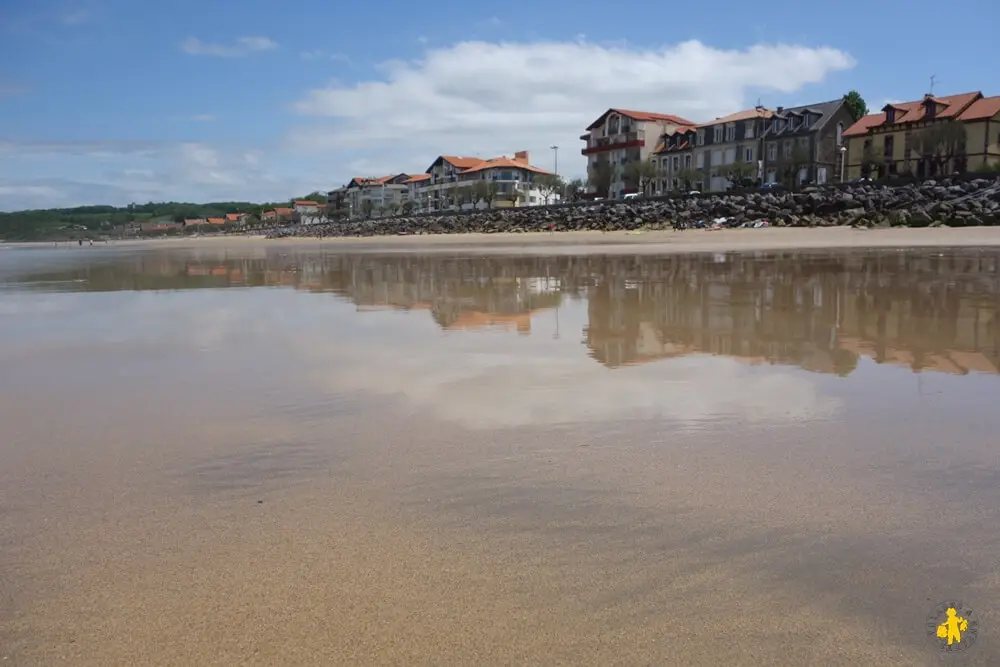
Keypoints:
(677, 162)
(748, 130)
(772, 176)
(890, 115)
(748, 154)
(772, 152)
(786, 149)
(730, 156)
(840, 134)
(717, 134)
(716, 158)
(701, 137)
(821, 175)
(687, 161)
(805, 121)
(731, 132)
(774, 124)
(699, 160)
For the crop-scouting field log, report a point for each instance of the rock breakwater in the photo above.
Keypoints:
(960, 202)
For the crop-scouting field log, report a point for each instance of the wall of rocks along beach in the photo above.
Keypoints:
(960, 202)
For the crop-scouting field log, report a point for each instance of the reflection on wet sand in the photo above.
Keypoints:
(926, 310)
(368, 466)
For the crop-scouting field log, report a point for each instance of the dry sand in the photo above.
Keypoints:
(632, 242)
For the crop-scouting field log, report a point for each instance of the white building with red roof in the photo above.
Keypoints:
(621, 136)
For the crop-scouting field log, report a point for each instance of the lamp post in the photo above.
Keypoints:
(843, 160)
(555, 159)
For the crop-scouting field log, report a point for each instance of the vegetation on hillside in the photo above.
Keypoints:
(92, 221)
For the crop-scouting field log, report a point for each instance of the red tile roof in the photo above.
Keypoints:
(912, 112)
(461, 162)
(284, 211)
(418, 177)
(234, 217)
(982, 109)
(746, 114)
(504, 162)
(642, 116)
(305, 202)
(216, 221)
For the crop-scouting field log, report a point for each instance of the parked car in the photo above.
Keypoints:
(769, 186)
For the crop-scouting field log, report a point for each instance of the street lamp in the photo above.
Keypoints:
(555, 158)
(843, 160)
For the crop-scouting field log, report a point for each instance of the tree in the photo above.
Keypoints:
(789, 166)
(394, 208)
(575, 189)
(688, 177)
(640, 173)
(856, 104)
(456, 197)
(869, 161)
(599, 177)
(367, 206)
(407, 207)
(940, 143)
(740, 172)
(548, 185)
(485, 191)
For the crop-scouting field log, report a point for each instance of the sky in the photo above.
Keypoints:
(119, 101)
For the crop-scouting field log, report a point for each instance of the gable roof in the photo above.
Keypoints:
(825, 111)
(915, 111)
(981, 109)
(416, 178)
(504, 162)
(746, 114)
(641, 116)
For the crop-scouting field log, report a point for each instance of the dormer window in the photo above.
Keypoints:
(929, 109)
(805, 121)
(774, 125)
(890, 115)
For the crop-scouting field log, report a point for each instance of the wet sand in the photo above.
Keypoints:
(185, 482)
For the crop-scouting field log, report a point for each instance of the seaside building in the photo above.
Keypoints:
(710, 156)
(936, 135)
(453, 183)
(802, 144)
(617, 138)
(788, 146)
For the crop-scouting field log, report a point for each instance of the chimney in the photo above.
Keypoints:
(521, 156)
(779, 109)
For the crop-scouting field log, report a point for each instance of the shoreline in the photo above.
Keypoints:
(667, 241)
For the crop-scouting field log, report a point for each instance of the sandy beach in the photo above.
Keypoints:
(217, 452)
(666, 241)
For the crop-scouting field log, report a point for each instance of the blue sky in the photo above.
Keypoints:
(108, 101)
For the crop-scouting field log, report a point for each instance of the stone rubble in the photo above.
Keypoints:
(959, 203)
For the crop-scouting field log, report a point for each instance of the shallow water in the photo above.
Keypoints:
(300, 456)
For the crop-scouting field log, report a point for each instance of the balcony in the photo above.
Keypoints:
(635, 139)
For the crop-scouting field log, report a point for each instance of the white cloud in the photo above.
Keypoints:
(498, 389)
(496, 98)
(69, 174)
(243, 46)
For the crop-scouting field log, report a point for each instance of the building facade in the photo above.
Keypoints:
(462, 183)
(711, 156)
(620, 137)
(803, 144)
(934, 136)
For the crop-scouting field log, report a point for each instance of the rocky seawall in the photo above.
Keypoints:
(964, 202)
